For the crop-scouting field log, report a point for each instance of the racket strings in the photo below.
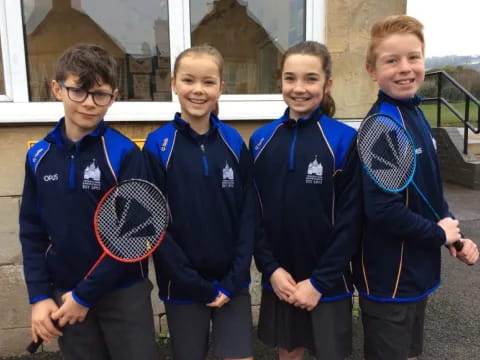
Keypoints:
(131, 220)
(386, 152)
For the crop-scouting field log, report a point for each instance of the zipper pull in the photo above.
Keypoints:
(204, 159)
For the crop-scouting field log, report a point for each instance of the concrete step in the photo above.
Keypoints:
(474, 147)
(473, 142)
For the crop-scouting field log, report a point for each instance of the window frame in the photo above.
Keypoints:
(15, 106)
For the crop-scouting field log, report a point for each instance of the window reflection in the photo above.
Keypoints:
(134, 32)
(2, 78)
(252, 36)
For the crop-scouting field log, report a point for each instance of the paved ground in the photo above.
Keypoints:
(452, 324)
(453, 327)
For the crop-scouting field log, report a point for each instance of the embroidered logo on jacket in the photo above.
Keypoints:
(91, 177)
(164, 144)
(228, 180)
(314, 172)
(259, 143)
(37, 155)
(50, 177)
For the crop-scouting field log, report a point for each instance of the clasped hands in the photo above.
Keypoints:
(302, 294)
(48, 318)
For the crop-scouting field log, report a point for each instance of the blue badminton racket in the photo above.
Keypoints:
(387, 153)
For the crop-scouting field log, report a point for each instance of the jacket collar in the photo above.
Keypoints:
(183, 126)
(314, 116)
(58, 136)
(414, 101)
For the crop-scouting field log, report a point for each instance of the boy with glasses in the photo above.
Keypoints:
(107, 314)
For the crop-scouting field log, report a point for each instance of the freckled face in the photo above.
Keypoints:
(399, 68)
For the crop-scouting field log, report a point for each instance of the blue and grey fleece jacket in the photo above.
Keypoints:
(63, 183)
(206, 179)
(399, 259)
(306, 174)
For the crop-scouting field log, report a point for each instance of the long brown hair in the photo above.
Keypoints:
(202, 50)
(314, 48)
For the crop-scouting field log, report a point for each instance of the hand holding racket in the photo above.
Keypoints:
(387, 153)
(130, 222)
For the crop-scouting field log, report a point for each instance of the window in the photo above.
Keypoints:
(145, 36)
(4, 60)
(251, 35)
(2, 78)
(137, 37)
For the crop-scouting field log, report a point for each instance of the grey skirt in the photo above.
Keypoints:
(326, 331)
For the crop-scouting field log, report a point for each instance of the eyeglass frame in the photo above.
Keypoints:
(87, 93)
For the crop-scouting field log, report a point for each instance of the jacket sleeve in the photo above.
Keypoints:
(109, 271)
(263, 255)
(239, 273)
(389, 213)
(35, 242)
(345, 237)
(169, 256)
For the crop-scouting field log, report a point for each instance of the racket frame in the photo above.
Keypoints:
(458, 245)
(411, 143)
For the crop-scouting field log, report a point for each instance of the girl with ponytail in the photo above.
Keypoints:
(306, 174)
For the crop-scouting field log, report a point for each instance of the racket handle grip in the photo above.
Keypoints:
(33, 346)
(458, 245)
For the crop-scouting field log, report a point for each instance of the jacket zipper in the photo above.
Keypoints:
(204, 159)
(71, 175)
(291, 163)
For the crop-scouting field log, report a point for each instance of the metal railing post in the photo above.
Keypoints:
(465, 125)
(439, 98)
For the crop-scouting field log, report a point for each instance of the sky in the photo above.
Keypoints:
(451, 27)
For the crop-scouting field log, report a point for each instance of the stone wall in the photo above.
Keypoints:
(347, 36)
(15, 310)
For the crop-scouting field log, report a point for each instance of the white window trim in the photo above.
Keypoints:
(17, 108)
(7, 79)
(4, 52)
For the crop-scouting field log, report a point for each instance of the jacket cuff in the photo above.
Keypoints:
(442, 236)
(222, 289)
(38, 292)
(270, 270)
(214, 298)
(315, 285)
(39, 298)
(80, 301)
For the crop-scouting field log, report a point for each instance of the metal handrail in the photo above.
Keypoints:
(469, 99)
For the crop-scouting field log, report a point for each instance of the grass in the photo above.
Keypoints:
(448, 119)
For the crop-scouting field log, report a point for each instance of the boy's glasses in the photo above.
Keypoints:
(79, 95)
